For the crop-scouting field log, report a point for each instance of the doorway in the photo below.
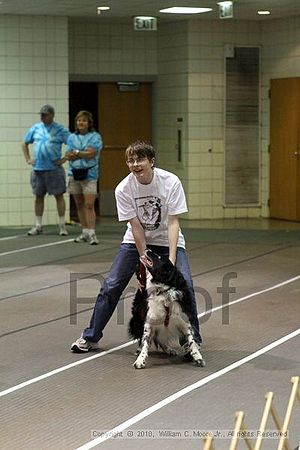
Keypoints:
(122, 114)
(82, 96)
(285, 149)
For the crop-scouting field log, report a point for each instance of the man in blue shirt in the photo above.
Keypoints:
(48, 175)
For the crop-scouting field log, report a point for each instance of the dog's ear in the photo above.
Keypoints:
(179, 280)
(171, 275)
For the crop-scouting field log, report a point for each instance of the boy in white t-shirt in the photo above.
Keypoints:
(150, 199)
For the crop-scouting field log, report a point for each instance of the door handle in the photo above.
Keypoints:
(297, 153)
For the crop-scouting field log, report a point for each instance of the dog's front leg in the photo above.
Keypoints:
(140, 362)
(139, 348)
(193, 349)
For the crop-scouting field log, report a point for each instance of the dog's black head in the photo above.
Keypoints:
(160, 267)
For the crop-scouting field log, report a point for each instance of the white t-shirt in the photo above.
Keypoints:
(152, 203)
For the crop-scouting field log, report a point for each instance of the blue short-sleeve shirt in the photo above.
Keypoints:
(81, 142)
(47, 141)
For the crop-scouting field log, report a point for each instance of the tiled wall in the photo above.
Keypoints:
(110, 48)
(172, 94)
(196, 94)
(188, 59)
(206, 113)
(192, 87)
(33, 71)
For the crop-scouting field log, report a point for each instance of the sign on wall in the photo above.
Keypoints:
(226, 10)
(145, 23)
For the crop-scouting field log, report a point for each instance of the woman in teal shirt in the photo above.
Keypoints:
(83, 151)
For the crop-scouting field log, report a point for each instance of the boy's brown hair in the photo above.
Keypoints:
(140, 149)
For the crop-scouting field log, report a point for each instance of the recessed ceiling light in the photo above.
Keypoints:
(102, 8)
(184, 10)
(263, 13)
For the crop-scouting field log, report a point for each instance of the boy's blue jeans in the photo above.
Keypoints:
(122, 269)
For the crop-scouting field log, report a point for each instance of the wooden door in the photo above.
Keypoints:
(285, 149)
(124, 117)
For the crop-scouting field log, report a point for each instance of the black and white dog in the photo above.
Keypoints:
(161, 311)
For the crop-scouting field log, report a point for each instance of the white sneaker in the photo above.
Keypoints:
(83, 237)
(83, 345)
(63, 231)
(93, 239)
(34, 231)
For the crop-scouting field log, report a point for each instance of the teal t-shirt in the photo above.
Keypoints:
(47, 141)
(81, 142)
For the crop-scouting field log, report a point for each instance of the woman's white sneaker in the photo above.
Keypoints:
(83, 237)
(93, 239)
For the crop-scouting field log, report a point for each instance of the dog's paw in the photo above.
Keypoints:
(196, 355)
(139, 364)
(200, 362)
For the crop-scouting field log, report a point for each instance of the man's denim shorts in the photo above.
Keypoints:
(52, 182)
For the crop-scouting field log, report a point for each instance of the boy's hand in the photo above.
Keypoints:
(172, 259)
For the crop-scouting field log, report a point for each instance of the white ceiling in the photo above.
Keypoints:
(125, 9)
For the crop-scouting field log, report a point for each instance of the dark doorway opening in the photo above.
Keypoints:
(82, 96)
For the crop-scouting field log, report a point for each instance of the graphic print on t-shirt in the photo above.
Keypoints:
(149, 212)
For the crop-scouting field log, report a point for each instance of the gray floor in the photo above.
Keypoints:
(53, 399)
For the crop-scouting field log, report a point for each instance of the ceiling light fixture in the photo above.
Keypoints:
(263, 13)
(184, 10)
(102, 8)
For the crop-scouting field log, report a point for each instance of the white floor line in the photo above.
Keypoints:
(62, 369)
(263, 291)
(9, 237)
(127, 344)
(147, 412)
(35, 247)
